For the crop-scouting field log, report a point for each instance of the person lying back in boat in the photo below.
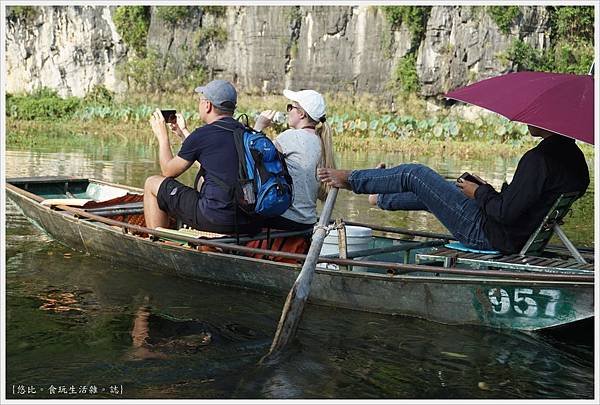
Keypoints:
(211, 208)
(306, 146)
(477, 215)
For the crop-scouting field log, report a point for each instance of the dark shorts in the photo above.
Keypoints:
(181, 201)
(178, 200)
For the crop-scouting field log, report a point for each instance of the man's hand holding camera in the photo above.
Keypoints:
(179, 127)
(157, 121)
(176, 123)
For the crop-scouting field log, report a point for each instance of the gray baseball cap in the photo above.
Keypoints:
(221, 94)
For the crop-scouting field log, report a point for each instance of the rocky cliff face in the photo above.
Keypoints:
(328, 48)
(70, 49)
(463, 45)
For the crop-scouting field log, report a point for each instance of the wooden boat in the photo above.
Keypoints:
(386, 279)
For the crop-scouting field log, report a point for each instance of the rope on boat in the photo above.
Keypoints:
(326, 228)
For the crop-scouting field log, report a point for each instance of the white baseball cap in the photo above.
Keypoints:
(310, 101)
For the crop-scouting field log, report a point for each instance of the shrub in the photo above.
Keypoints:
(175, 14)
(414, 17)
(42, 104)
(214, 35)
(405, 75)
(574, 22)
(572, 49)
(573, 56)
(99, 95)
(525, 57)
(504, 16)
(144, 73)
(26, 13)
(217, 11)
(150, 73)
(132, 23)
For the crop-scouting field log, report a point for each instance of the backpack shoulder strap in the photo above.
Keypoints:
(201, 173)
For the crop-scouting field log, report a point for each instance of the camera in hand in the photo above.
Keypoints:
(169, 116)
(469, 177)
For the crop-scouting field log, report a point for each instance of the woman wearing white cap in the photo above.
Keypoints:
(307, 145)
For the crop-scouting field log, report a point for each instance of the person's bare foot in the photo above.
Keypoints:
(373, 197)
(334, 178)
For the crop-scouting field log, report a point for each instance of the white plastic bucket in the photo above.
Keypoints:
(357, 238)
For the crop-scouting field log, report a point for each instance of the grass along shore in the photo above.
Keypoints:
(28, 134)
(407, 125)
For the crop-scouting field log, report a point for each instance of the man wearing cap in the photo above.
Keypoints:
(212, 145)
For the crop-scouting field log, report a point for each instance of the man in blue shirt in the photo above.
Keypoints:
(212, 208)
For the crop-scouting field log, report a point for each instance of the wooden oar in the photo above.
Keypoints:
(294, 304)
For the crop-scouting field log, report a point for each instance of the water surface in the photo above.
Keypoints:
(70, 317)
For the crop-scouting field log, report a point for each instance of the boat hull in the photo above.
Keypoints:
(485, 301)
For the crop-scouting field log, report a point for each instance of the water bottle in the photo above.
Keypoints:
(248, 192)
(279, 118)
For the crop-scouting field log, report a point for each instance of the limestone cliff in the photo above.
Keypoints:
(329, 48)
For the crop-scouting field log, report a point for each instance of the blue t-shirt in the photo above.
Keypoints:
(214, 148)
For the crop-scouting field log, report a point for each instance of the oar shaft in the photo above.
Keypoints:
(294, 304)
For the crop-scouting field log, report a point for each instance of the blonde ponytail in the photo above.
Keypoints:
(324, 132)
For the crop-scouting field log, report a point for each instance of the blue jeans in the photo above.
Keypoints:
(417, 187)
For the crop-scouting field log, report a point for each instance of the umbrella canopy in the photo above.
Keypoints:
(561, 103)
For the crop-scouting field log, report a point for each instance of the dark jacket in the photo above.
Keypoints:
(553, 167)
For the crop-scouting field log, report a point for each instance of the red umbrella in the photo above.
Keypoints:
(561, 103)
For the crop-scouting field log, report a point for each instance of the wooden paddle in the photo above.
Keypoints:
(294, 304)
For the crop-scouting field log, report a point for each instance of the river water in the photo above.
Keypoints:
(70, 317)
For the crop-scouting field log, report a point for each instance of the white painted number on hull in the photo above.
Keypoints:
(500, 300)
(524, 301)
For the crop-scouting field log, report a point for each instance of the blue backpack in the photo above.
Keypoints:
(264, 186)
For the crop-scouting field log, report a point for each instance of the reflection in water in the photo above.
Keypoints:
(156, 335)
(74, 319)
(59, 302)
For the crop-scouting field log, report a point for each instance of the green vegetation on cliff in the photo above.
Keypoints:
(405, 77)
(504, 16)
(132, 23)
(175, 14)
(571, 47)
(571, 43)
(413, 17)
(150, 71)
(27, 13)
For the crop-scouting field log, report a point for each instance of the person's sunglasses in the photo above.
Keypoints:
(290, 107)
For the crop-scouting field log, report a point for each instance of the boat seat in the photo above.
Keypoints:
(538, 241)
(529, 257)
(230, 238)
(464, 248)
(193, 233)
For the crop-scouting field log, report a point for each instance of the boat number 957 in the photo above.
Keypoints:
(524, 301)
